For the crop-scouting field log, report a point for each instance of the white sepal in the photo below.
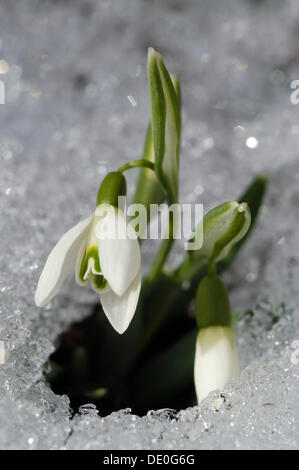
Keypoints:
(120, 309)
(216, 360)
(60, 262)
(119, 250)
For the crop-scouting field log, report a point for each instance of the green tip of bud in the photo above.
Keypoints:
(262, 177)
(150, 52)
(112, 186)
(212, 307)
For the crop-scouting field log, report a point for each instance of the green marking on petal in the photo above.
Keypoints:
(91, 269)
(99, 281)
(92, 252)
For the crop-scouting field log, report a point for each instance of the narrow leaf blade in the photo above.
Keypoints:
(165, 123)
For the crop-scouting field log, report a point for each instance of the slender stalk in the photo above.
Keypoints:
(137, 164)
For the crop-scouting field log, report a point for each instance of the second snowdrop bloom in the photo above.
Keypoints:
(216, 359)
(104, 250)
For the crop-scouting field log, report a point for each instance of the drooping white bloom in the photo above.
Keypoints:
(216, 360)
(104, 250)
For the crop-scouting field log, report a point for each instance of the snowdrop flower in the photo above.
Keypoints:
(104, 250)
(216, 358)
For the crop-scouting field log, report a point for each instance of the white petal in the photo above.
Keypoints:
(120, 310)
(216, 360)
(60, 262)
(119, 250)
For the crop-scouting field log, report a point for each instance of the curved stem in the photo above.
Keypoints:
(137, 164)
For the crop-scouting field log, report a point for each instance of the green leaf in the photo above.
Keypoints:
(177, 86)
(254, 195)
(165, 124)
